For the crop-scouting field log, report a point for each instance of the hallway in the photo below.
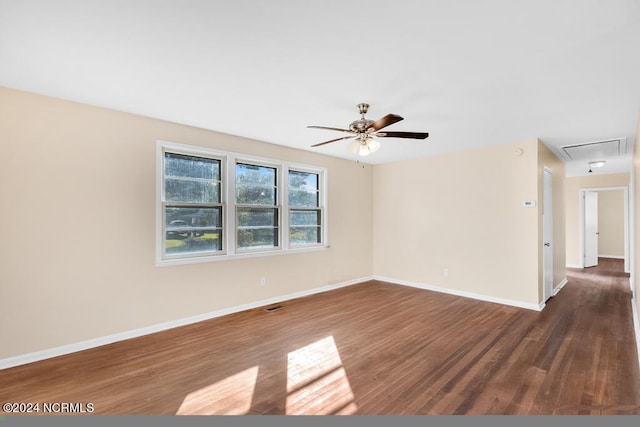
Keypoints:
(601, 337)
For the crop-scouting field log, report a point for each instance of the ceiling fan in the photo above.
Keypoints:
(363, 130)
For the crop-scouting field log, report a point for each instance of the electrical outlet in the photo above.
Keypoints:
(446, 272)
(263, 281)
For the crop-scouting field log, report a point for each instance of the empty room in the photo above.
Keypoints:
(329, 208)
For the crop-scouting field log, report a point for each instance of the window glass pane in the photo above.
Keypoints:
(190, 241)
(181, 190)
(305, 217)
(305, 235)
(303, 180)
(253, 174)
(189, 230)
(257, 217)
(255, 185)
(180, 217)
(257, 238)
(180, 165)
(302, 198)
(304, 189)
(255, 195)
(191, 179)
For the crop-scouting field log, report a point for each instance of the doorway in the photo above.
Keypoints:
(591, 233)
(593, 243)
(547, 234)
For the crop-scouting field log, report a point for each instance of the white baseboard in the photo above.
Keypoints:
(636, 326)
(560, 286)
(487, 298)
(611, 256)
(574, 266)
(23, 359)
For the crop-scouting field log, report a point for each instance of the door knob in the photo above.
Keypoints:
(547, 244)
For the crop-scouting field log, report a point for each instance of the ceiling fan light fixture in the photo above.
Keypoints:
(596, 164)
(354, 146)
(364, 150)
(373, 145)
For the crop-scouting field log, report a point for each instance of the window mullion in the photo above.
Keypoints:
(230, 195)
(286, 213)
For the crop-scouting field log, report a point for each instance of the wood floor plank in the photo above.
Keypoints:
(371, 348)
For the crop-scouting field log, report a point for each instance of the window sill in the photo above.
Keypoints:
(238, 256)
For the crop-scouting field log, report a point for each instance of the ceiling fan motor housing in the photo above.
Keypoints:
(360, 126)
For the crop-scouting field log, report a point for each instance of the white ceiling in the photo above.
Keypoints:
(471, 73)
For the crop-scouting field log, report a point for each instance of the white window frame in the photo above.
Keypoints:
(162, 204)
(228, 162)
(320, 207)
(277, 206)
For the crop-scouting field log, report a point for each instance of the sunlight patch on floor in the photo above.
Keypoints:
(230, 396)
(316, 381)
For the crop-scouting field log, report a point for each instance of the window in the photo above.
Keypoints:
(191, 205)
(305, 214)
(216, 205)
(257, 212)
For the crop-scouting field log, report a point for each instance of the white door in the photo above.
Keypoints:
(590, 228)
(547, 234)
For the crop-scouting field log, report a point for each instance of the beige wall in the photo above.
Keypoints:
(611, 223)
(572, 207)
(462, 212)
(546, 158)
(78, 222)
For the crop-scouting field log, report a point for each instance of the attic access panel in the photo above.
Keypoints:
(596, 150)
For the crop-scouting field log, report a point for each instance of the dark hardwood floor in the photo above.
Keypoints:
(372, 348)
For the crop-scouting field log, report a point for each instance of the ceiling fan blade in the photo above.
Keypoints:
(387, 120)
(332, 140)
(414, 135)
(329, 128)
